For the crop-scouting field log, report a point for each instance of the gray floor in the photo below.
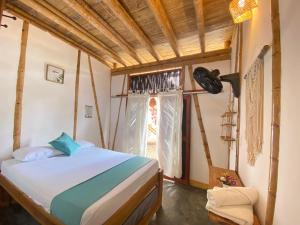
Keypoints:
(182, 205)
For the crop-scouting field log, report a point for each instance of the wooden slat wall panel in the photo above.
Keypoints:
(181, 13)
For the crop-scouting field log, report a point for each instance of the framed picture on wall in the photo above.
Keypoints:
(88, 111)
(55, 74)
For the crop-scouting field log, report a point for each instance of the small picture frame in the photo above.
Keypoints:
(55, 74)
(88, 111)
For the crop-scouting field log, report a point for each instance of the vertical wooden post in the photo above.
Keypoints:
(2, 7)
(276, 107)
(128, 88)
(76, 95)
(110, 97)
(96, 102)
(118, 117)
(238, 125)
(20, 87)
(200, 121)
(231, 97)
(182, 81)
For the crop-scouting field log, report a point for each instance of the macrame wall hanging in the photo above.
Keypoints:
(254, 109)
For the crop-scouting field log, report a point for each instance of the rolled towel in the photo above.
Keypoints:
(240, 214)
(232, 196)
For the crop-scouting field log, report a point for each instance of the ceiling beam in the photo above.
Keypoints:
(198, 4)
(86, 12)
(72, 23)
(34, 21)
(131, 25)
(164, 23)
(63, 23)
(219, 55)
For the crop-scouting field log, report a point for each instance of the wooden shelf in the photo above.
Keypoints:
(228, 124)
(224, 138)
(227, 114)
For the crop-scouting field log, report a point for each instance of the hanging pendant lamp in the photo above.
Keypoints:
(241, 10)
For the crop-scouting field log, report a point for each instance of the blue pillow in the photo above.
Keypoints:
(65, 144)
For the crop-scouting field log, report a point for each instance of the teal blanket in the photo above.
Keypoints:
(70, 205)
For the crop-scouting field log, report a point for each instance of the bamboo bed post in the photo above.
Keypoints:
(200, 121)
(96, 102)
(276, 106)
(76, 95)
(20, 87)
(238, 125)
(118, 117)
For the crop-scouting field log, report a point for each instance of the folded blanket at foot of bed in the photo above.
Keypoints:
(233, 203)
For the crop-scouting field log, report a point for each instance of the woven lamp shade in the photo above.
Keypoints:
(241, 10)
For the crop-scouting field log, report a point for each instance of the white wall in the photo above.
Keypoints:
(256, 34)
(287, 207)
(213, 106)
(47, 107)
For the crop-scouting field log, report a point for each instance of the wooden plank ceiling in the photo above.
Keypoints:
(126, 33)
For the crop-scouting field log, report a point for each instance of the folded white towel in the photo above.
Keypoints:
(232, 196)
(240, 214)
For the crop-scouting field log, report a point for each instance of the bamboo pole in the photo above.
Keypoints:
(76, 95)
(231, 97)
(2, 7)
(96, 102)
(182, 81)
(20, 87)
(276, 107)
(128, 88)
(109, 129)
(239, 99)
(118, 117)
(200, 120)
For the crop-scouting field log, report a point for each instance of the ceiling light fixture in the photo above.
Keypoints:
(241, 10)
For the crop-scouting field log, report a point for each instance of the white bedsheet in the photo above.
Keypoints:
(43, 180)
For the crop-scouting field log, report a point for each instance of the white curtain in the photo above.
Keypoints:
(169, 144)
(136, 119)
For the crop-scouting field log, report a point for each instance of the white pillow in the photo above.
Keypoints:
(35, 153)
(85, 144)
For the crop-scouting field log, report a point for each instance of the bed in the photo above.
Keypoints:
(36, 186)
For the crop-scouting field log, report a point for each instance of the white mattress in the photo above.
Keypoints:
(44, 179)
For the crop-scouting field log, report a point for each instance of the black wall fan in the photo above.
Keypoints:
(212, 82)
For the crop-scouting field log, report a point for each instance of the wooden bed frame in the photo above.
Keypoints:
(119, 217)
